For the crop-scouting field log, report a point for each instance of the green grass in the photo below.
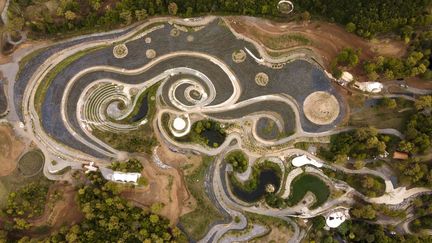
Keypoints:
(307, 182)
(46, 82)
(31, 163)
(197, 222)
(382, 117)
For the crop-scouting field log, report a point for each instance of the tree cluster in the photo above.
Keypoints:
(238, 160)
(347, 57)
(132, 165)
(90, 14)
(360, 144)
(416, 63)
(418, 131)
(110, 218)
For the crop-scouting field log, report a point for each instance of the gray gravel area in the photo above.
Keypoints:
(297, 79)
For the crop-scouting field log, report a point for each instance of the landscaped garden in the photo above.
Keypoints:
(308, 183)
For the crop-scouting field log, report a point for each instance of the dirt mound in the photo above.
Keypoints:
(10, 150)
(165, 186)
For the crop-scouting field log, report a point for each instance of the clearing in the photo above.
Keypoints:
(10, 150)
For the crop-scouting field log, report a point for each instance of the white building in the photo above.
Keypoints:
(370, 87)
(118, 176)
(304, 160)
(345, 78)
(336, 218)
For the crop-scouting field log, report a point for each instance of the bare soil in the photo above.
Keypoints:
(10, 150)
(277, 234)
(64, 212)
(326, 39)
(164, 186)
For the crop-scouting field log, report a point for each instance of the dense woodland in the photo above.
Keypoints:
(407, 20)
(110, 218)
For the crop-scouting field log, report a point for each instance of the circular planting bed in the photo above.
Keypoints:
(239, 56)
(31, 163)
(321, 108)
(261, 79)
(150, 53)
(175, 32)
(285, 6)
(120, 51)
(190, 38)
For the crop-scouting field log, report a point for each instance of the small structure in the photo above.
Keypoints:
(304, 160)
(370, 87)
(400, 155)
(179, 123)
(123, 177)
(336, 218)
(90, 167)
(345, 78)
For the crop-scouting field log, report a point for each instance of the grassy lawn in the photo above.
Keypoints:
(381, 117)
(307, 182)
(283, 41)
(197, 222)
(31, 163)
(44, 85)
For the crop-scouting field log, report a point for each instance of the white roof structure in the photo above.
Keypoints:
(347, 77)
(333, 220)
(304, 160)
(370, 87)
(118, 176)
(90, 167)
(179, 124)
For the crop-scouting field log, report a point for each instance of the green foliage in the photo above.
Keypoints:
(348, 57)
(197, 222)
(369, 185)
(388, 103)
(238, 160)
(110, 218)
(252, 183)
(414, 64)
(132, 165)
(369, 17)
(205, 132)
(418, 134)
(359, 144)
(307, 182)
(28, 201)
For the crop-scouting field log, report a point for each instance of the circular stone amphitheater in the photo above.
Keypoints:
(321, 108)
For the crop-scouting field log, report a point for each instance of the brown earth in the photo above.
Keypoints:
(164, 186)
(327, 39)
(10, 150)
(276, 234)
(64, 211)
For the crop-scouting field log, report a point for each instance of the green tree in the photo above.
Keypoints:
(350, 27)
(172, 8)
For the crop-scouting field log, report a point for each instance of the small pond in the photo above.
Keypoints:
(142, 112)
(266, 176)
(213, 136)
